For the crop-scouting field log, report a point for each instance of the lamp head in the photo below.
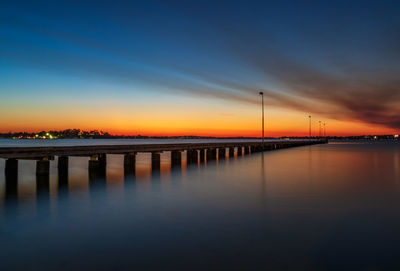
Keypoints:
(261, 93)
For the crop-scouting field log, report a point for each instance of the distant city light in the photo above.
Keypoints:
(396, 136)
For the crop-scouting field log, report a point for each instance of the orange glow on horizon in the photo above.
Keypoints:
(271, 131)
(213, 120)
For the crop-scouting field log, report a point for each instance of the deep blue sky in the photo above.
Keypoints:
(335, 59)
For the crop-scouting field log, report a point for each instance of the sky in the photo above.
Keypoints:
(196, 67)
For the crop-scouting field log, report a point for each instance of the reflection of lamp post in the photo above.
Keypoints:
(309, 128)
(262, 106)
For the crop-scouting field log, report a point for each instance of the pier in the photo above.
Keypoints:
(195, 153)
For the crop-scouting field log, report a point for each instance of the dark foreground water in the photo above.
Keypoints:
(324, 207)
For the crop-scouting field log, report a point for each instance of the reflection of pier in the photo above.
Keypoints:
(195, 153)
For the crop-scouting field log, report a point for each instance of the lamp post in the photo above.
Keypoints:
(262, 109)
(309, 127)
(319, 129)
(324, 129)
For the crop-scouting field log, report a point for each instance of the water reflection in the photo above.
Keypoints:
(396, 166)
(263, 178)
(317, 165)
(321, 201)
(11, 186)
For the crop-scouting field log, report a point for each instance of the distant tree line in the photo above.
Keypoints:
(52, 134)
(96, 134)
(93, 134)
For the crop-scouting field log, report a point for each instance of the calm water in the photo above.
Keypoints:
(324, 207)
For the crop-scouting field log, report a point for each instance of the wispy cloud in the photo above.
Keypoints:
(326, 73)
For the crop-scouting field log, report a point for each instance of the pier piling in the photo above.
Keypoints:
(98, 155)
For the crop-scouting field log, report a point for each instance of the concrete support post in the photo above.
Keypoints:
(239, 151)
(155, 161)
(202, 154)
(246, 149)
(176, 158)
(231, 152)
(221, 153)
(129, 163)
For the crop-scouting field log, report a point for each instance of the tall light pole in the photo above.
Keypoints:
(262, 108)
(324, 129)
(309, 127)
(319, 129)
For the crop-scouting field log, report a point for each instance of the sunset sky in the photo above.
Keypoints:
(195, 67)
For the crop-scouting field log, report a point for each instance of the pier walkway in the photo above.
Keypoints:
(195, 153)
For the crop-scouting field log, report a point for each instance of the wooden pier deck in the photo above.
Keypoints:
(195, 152)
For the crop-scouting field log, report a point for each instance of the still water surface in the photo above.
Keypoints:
(321, 207)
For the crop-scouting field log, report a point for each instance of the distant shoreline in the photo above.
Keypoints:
(96, 134)
(331, 139)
